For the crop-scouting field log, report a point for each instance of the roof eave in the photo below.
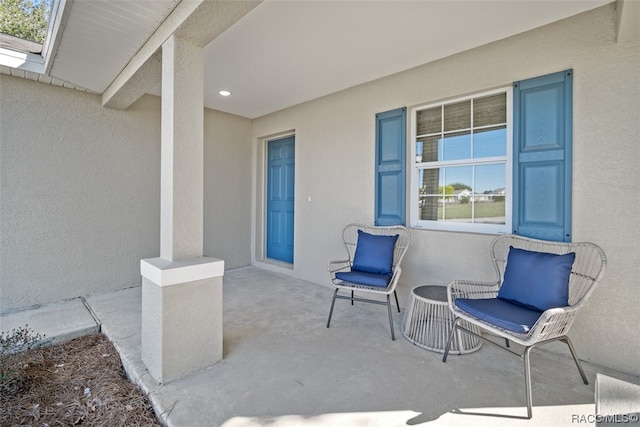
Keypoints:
(22, 60)
(34, 57)
(60, 10)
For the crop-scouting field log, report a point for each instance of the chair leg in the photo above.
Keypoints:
(575, 358)
(333, 302)
(351, 297)
(450, 340)
(397, 303)
(393, 335)
(527, 381)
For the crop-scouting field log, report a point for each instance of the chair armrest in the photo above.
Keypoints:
(472, 290)
(397, 272)
(553, 323)
(336, 266)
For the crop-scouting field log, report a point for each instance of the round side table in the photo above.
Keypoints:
(428, 320)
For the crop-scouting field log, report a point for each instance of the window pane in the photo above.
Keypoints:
(429, 121)
(457, 146)
(457, 205)
(490, 142)
(457, 116)
(430, 181)
(490, 110)
(457, 180)
(428, 193)
(430, 208)
(489, 194)
(428, 149)
(490, 179)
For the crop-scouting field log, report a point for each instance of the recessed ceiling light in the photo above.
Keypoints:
(224, 92)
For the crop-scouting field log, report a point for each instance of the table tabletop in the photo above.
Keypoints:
(431, 292)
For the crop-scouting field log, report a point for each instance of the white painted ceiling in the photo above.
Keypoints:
(285, 52)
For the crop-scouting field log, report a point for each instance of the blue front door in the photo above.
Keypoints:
(280, 198)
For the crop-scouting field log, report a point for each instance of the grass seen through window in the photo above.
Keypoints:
(482, 210)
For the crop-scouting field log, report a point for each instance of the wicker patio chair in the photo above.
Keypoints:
(508, 309)
(373, 265)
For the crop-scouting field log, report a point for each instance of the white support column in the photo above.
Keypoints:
(181, 203)
(181, 290)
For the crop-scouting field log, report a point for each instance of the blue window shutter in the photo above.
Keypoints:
(542, 140)
(391, 131)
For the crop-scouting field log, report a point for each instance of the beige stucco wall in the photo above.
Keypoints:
(80, 192)
(80, 198)
(227, 185)
(335, 167)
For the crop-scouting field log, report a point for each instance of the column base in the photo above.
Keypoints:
(181, 316)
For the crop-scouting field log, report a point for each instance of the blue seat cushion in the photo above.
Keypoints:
(501, 313)
(374, 254)
(537, 280)
(363, 278)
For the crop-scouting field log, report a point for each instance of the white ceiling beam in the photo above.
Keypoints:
(628, 20)
(199, 21)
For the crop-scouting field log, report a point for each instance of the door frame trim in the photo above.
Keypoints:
(259, 229)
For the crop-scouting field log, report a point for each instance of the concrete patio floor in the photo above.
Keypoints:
(282, 367)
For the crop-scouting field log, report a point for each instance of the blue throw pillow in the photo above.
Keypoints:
(537, 280)
(374, 254)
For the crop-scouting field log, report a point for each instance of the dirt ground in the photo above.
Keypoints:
(80, 382)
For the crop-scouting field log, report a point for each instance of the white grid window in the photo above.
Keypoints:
(461, 174)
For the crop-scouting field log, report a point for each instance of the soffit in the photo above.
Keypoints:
(101, 36)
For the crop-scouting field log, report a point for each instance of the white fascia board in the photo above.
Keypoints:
(60, 10)
(22, 60)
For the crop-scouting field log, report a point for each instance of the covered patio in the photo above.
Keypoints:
(282, 367)
(103, 167)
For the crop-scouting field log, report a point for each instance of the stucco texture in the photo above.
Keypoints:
(227, 186)
(335, 168)
(80, 192)
(79, 200)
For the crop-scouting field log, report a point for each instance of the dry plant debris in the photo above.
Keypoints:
(80, 382)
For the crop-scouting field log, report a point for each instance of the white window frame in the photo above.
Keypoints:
(414, 218)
